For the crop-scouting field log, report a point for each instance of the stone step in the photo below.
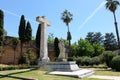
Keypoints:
(79, 73)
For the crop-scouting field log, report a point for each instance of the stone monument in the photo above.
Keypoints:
(62, 67)
(61, 56)
(43, 43)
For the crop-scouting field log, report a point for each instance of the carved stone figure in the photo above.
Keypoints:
(61, 56)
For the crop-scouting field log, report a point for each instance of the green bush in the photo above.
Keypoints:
(28, 58)
(24, 59)
(1, 50)
(95, 60)
(71, 59)
(107, 57)
(31, 57)
(86, 60)
(78, 60)
(12, 67)
(115, 63)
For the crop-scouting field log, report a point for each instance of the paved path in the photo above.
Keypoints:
(106, 77)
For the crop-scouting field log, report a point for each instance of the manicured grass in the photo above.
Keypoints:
(107, 73)
(38, 74)
(7, 78)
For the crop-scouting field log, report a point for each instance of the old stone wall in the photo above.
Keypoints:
(9, 54)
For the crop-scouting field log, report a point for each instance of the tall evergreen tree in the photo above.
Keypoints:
(98, 38)
(94, 37)
(21, 31)
(110, 42)
(38, 37)
(56, 48)
(28, 32)
(90, 37)
(1, 29)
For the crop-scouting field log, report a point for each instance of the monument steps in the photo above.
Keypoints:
(68, 69)
(82, 73)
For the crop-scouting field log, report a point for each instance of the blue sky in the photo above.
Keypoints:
(88, 16)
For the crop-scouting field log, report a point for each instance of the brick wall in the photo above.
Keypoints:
(8, 52)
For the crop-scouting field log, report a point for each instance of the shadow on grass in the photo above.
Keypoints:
(15, 77)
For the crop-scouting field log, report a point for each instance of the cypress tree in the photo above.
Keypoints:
(1, 29)
(56, 48)
(28, 32)
(38, 37)
(21, 31)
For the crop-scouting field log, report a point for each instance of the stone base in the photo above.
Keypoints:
(62, 60)
(45, 59)
(66, 69)
(63, 66)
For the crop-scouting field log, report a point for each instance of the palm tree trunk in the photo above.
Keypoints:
(117, 32)
(69, 41)
(68, 36)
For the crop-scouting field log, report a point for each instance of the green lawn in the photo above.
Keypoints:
(37, 74)
(107, 73)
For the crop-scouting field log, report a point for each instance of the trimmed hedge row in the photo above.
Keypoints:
(86, 60)
(12, 67)
(111, 59)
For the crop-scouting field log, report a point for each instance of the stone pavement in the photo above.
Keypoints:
(106, 77)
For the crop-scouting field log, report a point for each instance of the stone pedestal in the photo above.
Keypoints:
(67, 69)
(63, 66)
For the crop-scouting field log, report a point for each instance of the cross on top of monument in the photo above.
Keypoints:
(42, 20)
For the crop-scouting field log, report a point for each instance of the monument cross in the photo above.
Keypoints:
(43, 42)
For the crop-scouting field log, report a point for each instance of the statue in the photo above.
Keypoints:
(61, 46)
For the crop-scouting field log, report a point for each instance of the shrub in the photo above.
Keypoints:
(78, 60)
(12, 67)
(1, 50)
(23, 59)
(95, 60)
(107, 57)
(71, 59)
(86, 60)
(31, 57)
(28, 58)
(115, 63)
(98, 49)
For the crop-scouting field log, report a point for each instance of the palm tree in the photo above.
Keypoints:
(112, 6)
(67, 17)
